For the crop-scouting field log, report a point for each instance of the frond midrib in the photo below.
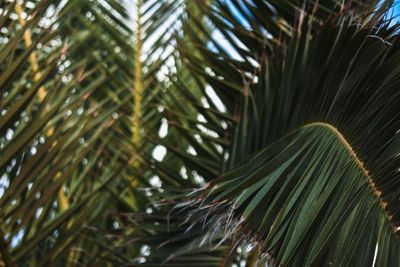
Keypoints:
(359, 163)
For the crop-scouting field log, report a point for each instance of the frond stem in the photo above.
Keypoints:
(138, 78)
(360, 163)
(32, 56)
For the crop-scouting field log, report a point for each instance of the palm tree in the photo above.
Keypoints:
(298, 164)
(58, 110)
(67, 155)
(282, 142)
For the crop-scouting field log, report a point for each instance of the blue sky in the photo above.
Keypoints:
(396, 12)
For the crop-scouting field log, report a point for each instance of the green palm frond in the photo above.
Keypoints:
(54, 162)
(307, 173)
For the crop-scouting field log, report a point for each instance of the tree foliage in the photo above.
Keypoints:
(282, 145)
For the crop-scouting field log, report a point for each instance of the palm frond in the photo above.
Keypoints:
(311, 134)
